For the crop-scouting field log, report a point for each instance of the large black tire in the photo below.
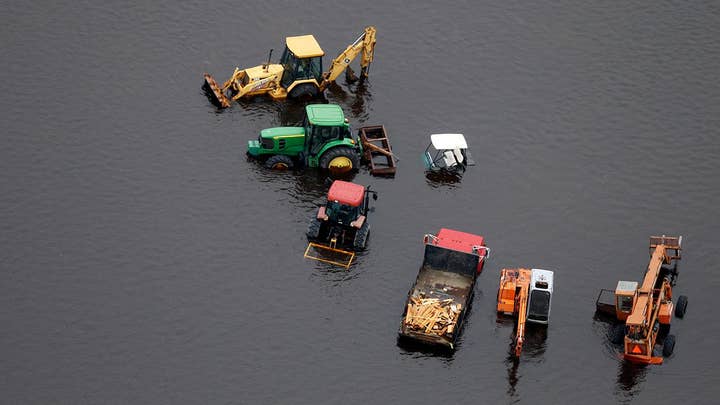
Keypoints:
(338, 152)
(681, 306)
(305, 90)
(669, 345)
(279, 162)
(617, 333)
(361, 236)
(313, 230)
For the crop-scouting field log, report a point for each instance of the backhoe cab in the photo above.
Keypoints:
(324, 141)
(299, 73)
(340, 224)
(447, 153)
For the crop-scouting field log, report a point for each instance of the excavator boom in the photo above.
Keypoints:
(512, 300)
(364, 44)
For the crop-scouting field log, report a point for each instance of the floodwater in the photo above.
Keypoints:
(145, 259)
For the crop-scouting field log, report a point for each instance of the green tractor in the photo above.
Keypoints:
(324, 141)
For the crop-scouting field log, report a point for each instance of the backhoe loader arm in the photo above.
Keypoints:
(364, 44)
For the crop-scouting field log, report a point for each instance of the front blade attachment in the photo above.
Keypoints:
(327, 254)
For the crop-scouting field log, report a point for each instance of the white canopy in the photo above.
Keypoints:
(448, 141)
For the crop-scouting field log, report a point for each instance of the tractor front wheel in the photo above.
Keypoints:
(361, 236)
(304, 90)
(313, 230)
(279, 162)
(340, 159)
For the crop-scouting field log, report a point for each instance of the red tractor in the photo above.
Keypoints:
(342, 222)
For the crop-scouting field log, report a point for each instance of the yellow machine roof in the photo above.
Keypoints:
(304, 46)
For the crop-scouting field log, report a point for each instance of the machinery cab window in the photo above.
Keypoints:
(299, 68)
(539, 306)
(341, 213)
(317, 136)
(625, 303)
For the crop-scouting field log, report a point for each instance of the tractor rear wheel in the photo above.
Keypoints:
(361, 237)
(279, 162)
(681, 306)
(340, 159)
(304, 90)
(313, 231)
(669, 345)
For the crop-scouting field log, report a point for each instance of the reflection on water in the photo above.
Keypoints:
(443, 179)
(535, 341)
(354, 103)
(512, 363)
(533, 349)
(416, 349)
(628, 377)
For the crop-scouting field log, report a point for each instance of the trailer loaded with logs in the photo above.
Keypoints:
(439, 299)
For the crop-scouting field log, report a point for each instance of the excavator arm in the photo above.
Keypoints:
(513, 300)
(522, 315)
(365, 45)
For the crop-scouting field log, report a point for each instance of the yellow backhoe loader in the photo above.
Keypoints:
(299, 73)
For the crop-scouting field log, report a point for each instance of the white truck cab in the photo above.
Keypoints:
(540, 296)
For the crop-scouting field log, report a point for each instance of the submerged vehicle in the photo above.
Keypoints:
(641, 314)
(439, 299)
(341, 223)
(299, 73)
(447, 154)
(527, 296)
(323, 141)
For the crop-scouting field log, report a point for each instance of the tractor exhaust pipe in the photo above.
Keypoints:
(265, 66)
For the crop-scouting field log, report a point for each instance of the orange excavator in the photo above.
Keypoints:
(641, 312)
(527, 295)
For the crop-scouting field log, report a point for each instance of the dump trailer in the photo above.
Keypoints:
(642, 313)
(439, 299)
(525, 294)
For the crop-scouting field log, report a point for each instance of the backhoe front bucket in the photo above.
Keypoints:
(216, 93)
(327, 254)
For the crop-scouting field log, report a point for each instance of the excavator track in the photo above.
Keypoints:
(218, 97)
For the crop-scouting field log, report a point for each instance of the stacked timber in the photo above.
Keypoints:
(432, 315)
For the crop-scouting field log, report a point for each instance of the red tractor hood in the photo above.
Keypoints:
(346, 193)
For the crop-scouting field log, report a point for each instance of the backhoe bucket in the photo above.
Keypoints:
(215, 92)
(327, 254)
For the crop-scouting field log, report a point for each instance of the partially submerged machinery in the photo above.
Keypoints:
(323, 141)
(299, 73)
(642, 314)
(439, 299)
(525, 294)
(340, 224)
(447, 153)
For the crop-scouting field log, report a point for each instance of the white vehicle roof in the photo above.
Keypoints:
(448, 141)
(542, 275)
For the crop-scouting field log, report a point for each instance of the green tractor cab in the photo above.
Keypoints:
(324, 141)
